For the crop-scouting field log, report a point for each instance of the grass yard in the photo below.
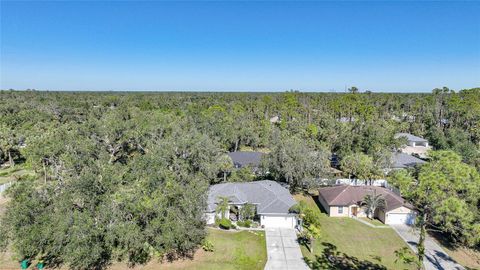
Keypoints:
(374, 222)
(366, 247)
(244, 250)
(232, 250)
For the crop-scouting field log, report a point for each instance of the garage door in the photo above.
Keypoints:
(278, 221)
(404, 218)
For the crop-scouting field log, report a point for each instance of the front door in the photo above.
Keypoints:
(354, 210)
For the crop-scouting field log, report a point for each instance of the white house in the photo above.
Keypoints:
(415, 145)
(272, 202)
(346, 201)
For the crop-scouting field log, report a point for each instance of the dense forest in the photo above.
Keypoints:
(123, 176)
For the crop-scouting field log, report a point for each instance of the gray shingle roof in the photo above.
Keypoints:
(241, 159)
(269, 196)
(410, 137)
(402, 160)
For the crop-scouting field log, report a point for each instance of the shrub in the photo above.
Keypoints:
(246, 223)
(225, 223)
(207, 246)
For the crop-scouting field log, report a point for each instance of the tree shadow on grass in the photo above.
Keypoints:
(331, 258)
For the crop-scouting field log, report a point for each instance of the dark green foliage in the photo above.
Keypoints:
(123, 176)
(445, 193)
(225, 223)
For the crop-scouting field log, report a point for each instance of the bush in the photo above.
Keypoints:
(247, 223)
(225, 223)
(207, 246)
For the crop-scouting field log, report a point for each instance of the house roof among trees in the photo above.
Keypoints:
(242, 159)
(269, 196)
(403, 160)
(410, 137)
(346, 195)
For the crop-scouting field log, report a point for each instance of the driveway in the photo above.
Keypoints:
(283, 250)
(435, 257)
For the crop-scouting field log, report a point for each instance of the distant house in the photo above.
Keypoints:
(361, 182)
(246, 159)
(272, 202)
(403, 161)
(346, 201)
(415, 145)
(346, 119)
(275, 119)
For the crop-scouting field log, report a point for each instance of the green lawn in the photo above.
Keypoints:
(374, 222)
(355, 242)
(245, 250)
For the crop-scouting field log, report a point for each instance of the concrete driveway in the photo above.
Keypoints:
(283, 250)
(435, 256)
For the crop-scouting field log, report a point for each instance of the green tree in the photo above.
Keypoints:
(372, 203)
(353, 90)
(296, 162)
(8, 143)
(225, 166)
(247, 211)
(223, 206)
(445, 193)
(360, 166)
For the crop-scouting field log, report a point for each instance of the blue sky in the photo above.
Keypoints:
(240, 46)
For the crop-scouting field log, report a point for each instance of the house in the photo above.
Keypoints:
(346, 201)
(403, 160)
(415, 145)
(271, 200)
(243, 159)
(275, 119)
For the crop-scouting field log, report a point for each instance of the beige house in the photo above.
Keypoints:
(346, 201)
(415, 145)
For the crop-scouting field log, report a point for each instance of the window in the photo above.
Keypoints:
(340, 209)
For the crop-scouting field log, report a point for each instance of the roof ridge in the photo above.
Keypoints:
(270, 203)
(222, 187)
(271, 191)
(345, 188)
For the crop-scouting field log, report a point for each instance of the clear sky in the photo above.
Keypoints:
(248, 46)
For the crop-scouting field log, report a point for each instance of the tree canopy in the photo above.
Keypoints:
(118, 172)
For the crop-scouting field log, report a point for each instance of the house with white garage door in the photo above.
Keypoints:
(271, 200)
(346, 201)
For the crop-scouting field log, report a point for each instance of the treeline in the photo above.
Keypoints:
(123, 176)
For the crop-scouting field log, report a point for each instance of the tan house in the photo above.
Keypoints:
(415, 145)
(346, 201)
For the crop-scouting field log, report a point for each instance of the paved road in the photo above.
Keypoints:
(283, 250)
(435, 256)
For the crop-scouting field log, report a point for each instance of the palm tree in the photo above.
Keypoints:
(372, 203)
(222, 205)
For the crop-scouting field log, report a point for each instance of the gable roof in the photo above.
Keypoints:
(346, 195)
(241, 159)
(410, 137)
(269, 196)
(403, 160)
